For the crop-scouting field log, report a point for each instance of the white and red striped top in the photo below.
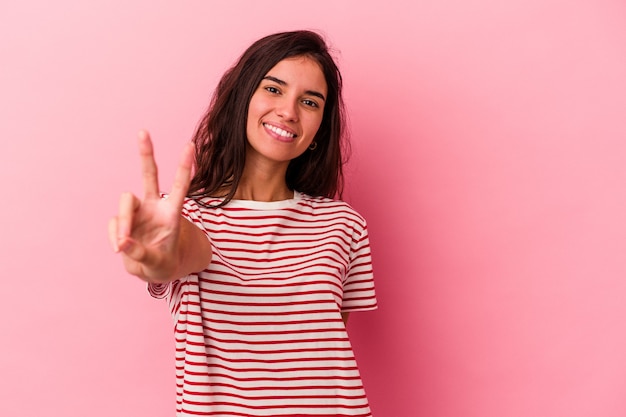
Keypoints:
(259, 331)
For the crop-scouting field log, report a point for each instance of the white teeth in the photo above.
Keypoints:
(279, 131)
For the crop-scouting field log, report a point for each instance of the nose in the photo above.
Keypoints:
(288, 109)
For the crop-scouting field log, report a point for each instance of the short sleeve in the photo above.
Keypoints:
(190, 211)
(159, 291)
(358, 287)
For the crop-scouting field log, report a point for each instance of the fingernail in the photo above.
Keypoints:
(126, 245)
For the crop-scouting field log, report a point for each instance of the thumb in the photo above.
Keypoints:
(132, 249)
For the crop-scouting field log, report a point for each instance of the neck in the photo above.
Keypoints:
(263, 182)
(247, 191)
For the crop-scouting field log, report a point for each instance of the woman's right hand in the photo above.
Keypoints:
(147, 232)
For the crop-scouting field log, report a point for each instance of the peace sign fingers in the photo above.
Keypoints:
(182, 177)
(149, 169)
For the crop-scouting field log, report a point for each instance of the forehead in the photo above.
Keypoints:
(300, 71)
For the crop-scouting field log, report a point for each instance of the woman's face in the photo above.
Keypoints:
(286, 110)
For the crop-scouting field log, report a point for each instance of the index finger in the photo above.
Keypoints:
(149, 169)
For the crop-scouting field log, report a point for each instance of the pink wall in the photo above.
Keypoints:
(489, 160)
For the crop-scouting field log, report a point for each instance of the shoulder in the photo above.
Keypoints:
(203, 204)
(206, 202)
(331, 207)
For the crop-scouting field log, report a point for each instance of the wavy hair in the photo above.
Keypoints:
(220, 138)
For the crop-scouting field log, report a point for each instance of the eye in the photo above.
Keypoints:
(272, 90)
(308, 102)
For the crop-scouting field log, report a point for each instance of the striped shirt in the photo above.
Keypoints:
(259, 331)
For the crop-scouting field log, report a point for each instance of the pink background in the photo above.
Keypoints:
(489, 159)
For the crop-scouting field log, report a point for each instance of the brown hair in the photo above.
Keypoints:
(220, 138)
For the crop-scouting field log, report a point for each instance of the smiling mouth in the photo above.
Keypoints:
(280, 131)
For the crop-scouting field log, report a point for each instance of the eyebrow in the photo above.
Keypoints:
(281, 82)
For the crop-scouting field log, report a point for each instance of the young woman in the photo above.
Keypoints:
(264, 265)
